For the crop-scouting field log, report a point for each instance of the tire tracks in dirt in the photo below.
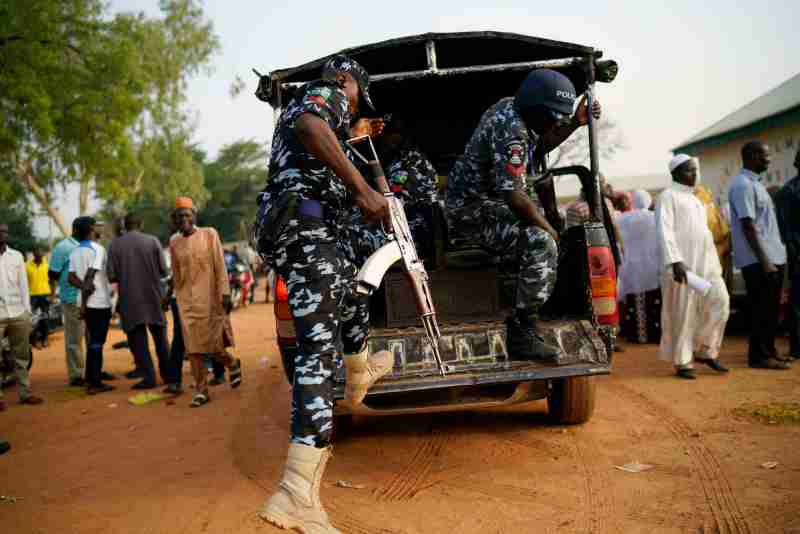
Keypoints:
(600, 514)
(351, 524)
(429, 466)
(416, 475)
(726, 514)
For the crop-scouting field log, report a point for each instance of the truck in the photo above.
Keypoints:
(441, 83)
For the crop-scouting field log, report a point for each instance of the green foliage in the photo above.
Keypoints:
(20, 227)
(90, 97)
(234, 180)
(228, 204)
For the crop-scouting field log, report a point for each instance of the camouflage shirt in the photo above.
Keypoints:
(292, 169)
(412, 177)
(496, 159)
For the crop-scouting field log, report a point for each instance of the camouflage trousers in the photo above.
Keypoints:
(316, 260)
(496, 227)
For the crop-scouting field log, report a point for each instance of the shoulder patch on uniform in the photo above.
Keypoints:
(324, 92)
(515, 158)
(317, 100)
(515, 153)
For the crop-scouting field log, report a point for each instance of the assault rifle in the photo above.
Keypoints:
(400, 245)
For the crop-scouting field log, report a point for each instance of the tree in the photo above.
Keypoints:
(575, 150)
(89, 98)
(20, 226)
(234, 180)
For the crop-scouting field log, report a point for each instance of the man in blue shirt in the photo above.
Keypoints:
(759, 252)
(68, 295)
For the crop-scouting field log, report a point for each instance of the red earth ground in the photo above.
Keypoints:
(101, 465)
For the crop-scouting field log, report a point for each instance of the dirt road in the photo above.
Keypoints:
(100, 465)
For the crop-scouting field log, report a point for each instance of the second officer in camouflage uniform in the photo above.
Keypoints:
(412, 178)
(487, 195)
(303, 230)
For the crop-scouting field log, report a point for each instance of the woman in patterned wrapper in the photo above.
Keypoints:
(639, 287)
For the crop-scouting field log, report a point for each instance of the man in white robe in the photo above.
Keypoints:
(693, 323)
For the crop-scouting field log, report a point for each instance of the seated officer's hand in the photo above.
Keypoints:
(582, 114)
(373, 205)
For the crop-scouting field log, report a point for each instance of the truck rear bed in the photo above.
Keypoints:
(476, 355)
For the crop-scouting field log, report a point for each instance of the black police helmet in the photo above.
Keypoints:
(545, 89)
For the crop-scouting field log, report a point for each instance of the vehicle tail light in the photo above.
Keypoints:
(603, 279)
(284, 321)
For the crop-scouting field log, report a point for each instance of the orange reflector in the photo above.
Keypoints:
(603, 287)
(281, 291)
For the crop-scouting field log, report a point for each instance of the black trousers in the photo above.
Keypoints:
(763, 299)
(137, 338)
(97, 321)
(42, 303)
(178, 350)
(794, 314)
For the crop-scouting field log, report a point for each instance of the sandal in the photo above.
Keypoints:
(199, 400)
(235, 374)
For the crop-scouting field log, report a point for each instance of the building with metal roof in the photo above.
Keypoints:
(774, 118)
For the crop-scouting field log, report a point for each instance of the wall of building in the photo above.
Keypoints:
(718, 164)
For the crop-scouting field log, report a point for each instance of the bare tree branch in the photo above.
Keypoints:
(27, 178)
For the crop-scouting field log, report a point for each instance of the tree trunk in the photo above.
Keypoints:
(28, 180)
(83, 197)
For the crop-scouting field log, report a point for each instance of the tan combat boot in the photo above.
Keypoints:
(363, 372)
(296, 504)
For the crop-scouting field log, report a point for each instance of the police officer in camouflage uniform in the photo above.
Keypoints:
(412, 178)
(303, 230)
(410, 174)
(487, 200)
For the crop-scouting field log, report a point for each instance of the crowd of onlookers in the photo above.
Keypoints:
(682, 255)
(136, 279)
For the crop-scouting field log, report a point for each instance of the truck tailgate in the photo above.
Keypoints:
(476, 354)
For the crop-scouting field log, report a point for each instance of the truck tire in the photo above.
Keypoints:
(571, 400)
